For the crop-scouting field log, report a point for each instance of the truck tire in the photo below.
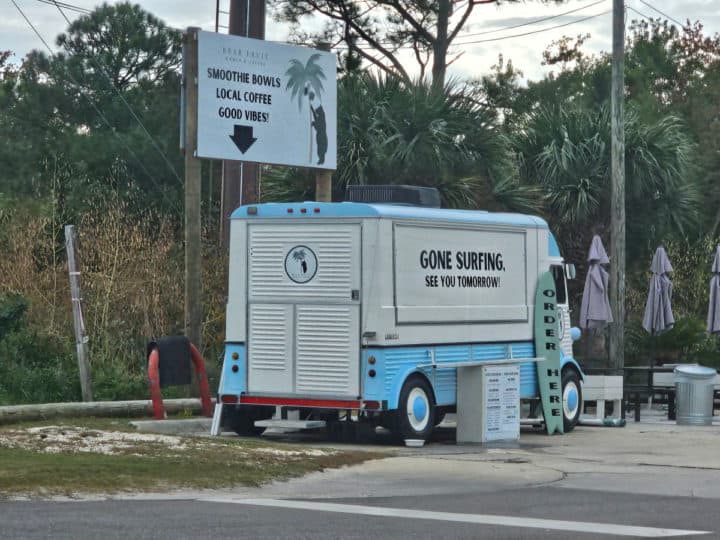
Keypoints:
(571, 398)
(415, 415)
(241, 419)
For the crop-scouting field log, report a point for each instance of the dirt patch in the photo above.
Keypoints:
(64, 439)
(43, 460)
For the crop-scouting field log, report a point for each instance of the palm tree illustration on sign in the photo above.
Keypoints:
(306, 81)
(299, 255)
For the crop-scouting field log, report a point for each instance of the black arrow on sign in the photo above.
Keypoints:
(243, 137)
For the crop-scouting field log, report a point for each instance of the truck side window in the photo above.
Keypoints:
(558, 274)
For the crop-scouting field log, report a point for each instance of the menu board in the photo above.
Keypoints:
(501, 400)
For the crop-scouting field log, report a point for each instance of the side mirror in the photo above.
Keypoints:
(570, 272)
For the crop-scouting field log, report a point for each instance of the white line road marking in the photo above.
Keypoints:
(484, 519)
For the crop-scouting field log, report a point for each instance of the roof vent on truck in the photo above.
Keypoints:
(427, 197)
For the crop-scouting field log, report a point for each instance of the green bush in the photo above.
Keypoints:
(37, 368)
(686, 342)
(12, 310)
(116, 381)
(34, 367)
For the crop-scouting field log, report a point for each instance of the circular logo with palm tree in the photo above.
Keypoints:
(301, 264)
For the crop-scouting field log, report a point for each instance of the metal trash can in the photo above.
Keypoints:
(694, 394)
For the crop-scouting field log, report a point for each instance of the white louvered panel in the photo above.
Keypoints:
(270, 348)
(327, 350)
(566, 343)
(337, 250)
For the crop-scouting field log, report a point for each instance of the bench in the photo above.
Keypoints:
(601, 389)
(635, 394)
(659, 388)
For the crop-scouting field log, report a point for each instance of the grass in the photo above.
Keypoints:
(74, 457)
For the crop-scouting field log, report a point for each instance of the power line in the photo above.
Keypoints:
(536, 31)
(96, 108)
(57, 3)
(643, 15)
(505, 29)
(501, 38)
(102, 70)
(663, 14)
(534, 21)
(69, 7)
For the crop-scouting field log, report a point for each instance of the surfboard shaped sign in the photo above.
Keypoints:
(547, 345)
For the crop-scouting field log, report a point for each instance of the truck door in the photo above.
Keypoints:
(304, 309)
(558, 272)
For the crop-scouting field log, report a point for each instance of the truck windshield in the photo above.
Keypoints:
(558, 274)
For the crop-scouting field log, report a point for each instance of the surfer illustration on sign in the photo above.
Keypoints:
(320, 129)
(305, 81)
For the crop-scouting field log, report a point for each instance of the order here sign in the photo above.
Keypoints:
(266, 102)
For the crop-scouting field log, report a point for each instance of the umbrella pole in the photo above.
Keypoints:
(606, 352)
(586, 347)
(651, 370)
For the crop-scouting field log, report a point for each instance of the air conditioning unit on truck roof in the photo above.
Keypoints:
(336, 307)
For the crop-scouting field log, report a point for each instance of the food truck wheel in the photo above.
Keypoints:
(571, 398)
(415, 415)
(242, 419)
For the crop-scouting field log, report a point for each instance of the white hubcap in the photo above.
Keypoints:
(418, 409)
(571, 400)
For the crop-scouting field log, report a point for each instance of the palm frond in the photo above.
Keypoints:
(565, 150)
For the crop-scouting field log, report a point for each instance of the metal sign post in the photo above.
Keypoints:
(81, 339)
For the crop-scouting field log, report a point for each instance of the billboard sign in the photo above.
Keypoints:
(266, 102)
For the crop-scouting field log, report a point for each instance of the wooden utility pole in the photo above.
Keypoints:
(81, 339)
(241, 179)
(193, 182)
(617, 205)
(323, 177)
(323, 185)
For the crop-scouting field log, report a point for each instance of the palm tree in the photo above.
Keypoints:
(391, 132)
(301, 76)
(565, 151)
(305, 80)
(299, 255)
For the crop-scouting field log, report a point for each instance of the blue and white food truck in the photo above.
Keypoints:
(359, 311)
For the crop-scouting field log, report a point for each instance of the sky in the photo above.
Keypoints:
(525, 52)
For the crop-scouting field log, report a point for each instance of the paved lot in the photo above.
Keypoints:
(654, 479)
(564, 513)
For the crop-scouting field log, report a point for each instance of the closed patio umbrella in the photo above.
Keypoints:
(658, 310)
(713, 320)
(595, 308)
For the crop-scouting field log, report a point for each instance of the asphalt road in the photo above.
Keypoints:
(423, 516)
(638, 481)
